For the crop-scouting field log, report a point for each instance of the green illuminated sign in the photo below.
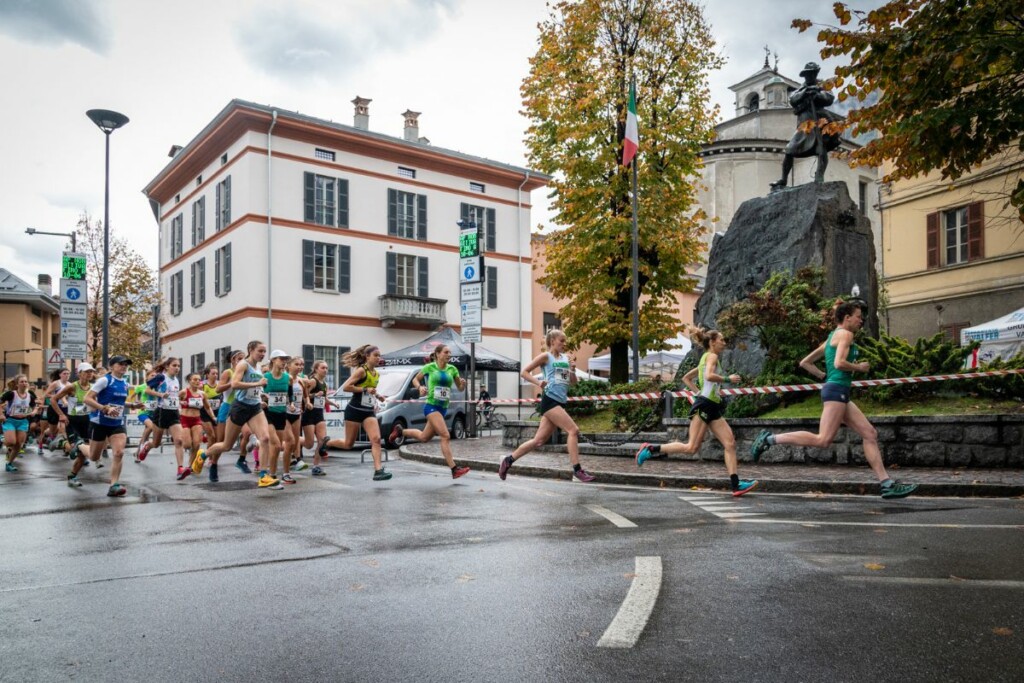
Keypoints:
(73, 267)
(469, 243)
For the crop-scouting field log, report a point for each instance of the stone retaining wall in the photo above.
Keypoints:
(947, 441)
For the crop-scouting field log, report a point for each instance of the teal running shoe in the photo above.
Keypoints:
(643, 455)
(760, 445)
(896, 489)
(746, 486)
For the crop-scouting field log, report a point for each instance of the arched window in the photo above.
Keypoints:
(753, 102)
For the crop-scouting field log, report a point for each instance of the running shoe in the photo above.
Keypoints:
(242, 465)
(746, 486)
(116, 491)
(267, 482)
(73, 481)
(287, 479)
(643, 454)
(299, 465)
(583, 475)
(99, 464)
(396, 433)
(896, 489)
(213, 472)
(383, 475)
(459, 471)
(144, 451)
(256, 457)
(760, 444)
(183, 472)
(11, 467)
(198, 461)
(323, 451)
(503, 468)
(318, 472)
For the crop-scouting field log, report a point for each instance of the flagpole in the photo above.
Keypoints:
(636, 259)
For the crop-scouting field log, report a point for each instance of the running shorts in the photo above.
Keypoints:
(707, 410)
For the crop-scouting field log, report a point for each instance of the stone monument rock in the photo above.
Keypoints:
(808, 225)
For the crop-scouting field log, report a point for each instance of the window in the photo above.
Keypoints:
(198, 221)
(337, 373)
(198, 283)
(407, 215)
(177, 280)
(956, 235)
(324, 154)
(754, 102)
(326, 267)
(477, 187)
(952, 331)
(199, 180)
(485, 379)
(37, 312)
(221, 357)
(862, 197)
(406, 172)
(491, 287)
(485, 220)
(54, 340)
(326, 200)
(407, 275)
(223, 203)
(223, 158)
(197, 363)
(552, 322)
(37, 336)
(222, 270)
(177, 198)
(177, 228)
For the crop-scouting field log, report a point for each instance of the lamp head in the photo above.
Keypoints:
(108, 121)
(30, 231)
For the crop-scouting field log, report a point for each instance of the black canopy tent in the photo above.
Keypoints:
(419, 353)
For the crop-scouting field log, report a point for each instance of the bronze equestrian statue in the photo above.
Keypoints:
(809, 102)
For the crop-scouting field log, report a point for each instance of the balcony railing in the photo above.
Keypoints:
(411, 309)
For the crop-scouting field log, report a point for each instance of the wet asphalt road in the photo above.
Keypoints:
(428, 579)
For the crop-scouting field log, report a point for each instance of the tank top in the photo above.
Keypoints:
(277, 391)
(439, 383)
(212, 396)
(708, 389)
(319, 402)
(295, 405)
(19, 406)
(172, 387)
(110, 391)
(556, 372)
(250, 396)
(364, 400)
(76, 401)
(833, 374)
(193, 401)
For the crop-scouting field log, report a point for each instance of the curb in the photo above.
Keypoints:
(859, 488)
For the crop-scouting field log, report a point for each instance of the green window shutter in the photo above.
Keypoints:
(392, 273)
(309, 197)
(421, 276)
(392, 211)
(307, 264)
(491, 236)
(342, 203)
(492, 287)
(932, 240)
(344, 268)
(421, 217)
(307, 355)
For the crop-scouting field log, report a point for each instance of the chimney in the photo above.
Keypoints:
(412, 126)
(362, 116)
(174, 151)
(45, 284)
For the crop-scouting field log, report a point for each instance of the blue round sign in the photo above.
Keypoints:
(74, 293)
(469, 272)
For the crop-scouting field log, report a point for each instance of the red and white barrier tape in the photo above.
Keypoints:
(746, 391)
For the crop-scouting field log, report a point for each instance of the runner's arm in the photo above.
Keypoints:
(810, 360)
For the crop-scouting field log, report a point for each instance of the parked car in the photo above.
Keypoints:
(396, 385)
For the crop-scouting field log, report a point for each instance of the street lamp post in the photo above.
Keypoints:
(72, 235)
(107, 121)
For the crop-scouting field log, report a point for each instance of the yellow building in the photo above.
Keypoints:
(952, 253)
(31, 323)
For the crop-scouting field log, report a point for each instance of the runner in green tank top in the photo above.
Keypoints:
(840, 352)
(360, 413)
(707, 411)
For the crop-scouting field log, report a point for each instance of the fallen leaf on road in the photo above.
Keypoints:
(881, 531)
(479, 490)
(584, 634)
(683, 531)
(371, 563)
(475, 539)
(733, 578)
(466, 578)
(1002, 631)
(662, 484)
(874, 566)
(630, 576)
(355, 587)
(957, 578)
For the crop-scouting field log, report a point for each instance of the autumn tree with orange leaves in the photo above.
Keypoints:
(949, 77)
(576, 96)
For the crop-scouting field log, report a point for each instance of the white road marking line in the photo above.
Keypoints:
(636, 609)
(724, 509)
(613, 517)
(811, 522)
(734, 515)
(696, 499)
(950, 583)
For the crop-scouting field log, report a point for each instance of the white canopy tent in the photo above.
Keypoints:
(664, 363)
(1000, 338)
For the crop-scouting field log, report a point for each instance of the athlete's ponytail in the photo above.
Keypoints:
(437, 350)
(703, 337)
(357, 357)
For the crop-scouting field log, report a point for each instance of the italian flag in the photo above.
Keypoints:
(632, 141)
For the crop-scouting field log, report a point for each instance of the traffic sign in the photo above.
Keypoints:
(72, 326)
(73, 350)
(73, 291)
(54, 359)
(472, 334)
(69, 311)
(472, 314)
(472, 292)
(471, 269)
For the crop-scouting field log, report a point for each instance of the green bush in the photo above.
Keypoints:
(1006, 386)
(632, 415)
(585, 387)
(892, 356)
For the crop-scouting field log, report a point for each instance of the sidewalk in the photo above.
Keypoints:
(485, 454)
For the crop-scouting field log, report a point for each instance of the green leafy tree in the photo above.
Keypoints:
(133, 292)
(576, 97)
(949, 81)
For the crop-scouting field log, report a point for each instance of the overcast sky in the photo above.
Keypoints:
(170, 67)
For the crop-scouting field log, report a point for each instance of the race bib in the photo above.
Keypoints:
(149, 406)
(442, 393)
(253, 393)
(195, 403)
(319, 401)
(366, 400)
(561, 376)
(117, 410)
(214, 403)
(79, 409)
(277, 399)
(171, 403)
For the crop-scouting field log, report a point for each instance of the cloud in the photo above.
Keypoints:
(307, 42)
(54, 22)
